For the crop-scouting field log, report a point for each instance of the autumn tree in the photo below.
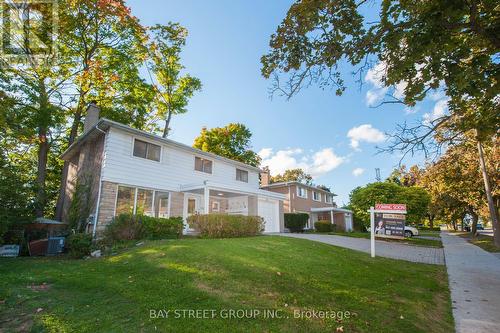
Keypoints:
(293, 175)
(404, 177)
(455, 183)
(173, 88)
(231, 141)
(420, 46)
(105, 46)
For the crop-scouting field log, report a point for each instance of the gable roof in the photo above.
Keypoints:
(284, 184)
(104, 124)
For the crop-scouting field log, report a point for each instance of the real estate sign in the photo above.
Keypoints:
(389, 225)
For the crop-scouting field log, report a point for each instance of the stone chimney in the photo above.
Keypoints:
(265, 176)
(92, 116)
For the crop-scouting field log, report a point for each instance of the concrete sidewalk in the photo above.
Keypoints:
(474, 278)
(426, 255)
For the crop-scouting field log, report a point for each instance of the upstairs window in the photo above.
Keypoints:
(328, 198)
(203, 165)
(242, 175)
(301, 192)
(316, 196)
(147, 150)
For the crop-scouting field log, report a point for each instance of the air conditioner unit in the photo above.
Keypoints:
(55, 245)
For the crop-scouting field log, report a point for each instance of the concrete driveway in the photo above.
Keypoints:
(426, 255)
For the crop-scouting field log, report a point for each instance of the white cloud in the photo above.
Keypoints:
(374, 96)
(439, 110)
(315, 163)
(375, 76)
(365, 132)
(265, 152)
(358, 172)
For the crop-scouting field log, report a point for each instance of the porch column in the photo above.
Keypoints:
(206, 203)
(331, 216)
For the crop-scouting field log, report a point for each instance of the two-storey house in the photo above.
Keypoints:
(135, 171)
(313, 200)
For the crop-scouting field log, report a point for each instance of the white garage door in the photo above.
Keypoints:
(269, 211)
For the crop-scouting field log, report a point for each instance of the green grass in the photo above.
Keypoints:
(483, 241)
(115, 294)
(429, 233)
(409, 241)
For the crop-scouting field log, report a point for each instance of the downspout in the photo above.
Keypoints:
(96, 216)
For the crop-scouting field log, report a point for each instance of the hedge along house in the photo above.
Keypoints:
(132, 171)
(315, 201)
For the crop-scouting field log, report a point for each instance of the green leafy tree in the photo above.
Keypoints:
(416, 199)
(231, 141)
(420, 46)
(293, 175)
(173, 89)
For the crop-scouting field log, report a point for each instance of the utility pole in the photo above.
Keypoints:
(377, 174)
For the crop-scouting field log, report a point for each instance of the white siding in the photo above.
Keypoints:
(175, 168)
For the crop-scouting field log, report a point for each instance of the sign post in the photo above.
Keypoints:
(390, 220)
(372, 232)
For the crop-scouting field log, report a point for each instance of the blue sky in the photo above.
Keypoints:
(332, 137)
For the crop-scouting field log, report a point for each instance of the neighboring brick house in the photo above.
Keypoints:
(315, 201)
(130, 170)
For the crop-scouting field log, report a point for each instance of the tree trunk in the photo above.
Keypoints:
(431, 221)
(473, 227)
(43, 152)
(491, 204)
(166, 129)
(64, 176)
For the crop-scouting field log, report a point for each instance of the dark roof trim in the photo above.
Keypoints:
(282, 184)
(105, 124)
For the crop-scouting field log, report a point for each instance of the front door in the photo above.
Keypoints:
(192, 205)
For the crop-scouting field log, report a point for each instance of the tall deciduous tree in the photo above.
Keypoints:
(455, 183)
(172, 87)
(231, 141)
(105, 45)
(420, 45)
(293, 175)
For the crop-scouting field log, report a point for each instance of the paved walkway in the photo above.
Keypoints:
(474, 278)
(427, 255)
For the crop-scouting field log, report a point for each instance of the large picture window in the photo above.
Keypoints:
(203, 165)
(125, 200)
(144, 204)
(132, 200)
(147, 150)
(161, 204)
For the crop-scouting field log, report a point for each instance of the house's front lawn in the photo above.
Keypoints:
(410, 241)
(116, 294)
(483, 241)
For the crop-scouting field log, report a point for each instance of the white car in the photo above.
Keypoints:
(410, 231)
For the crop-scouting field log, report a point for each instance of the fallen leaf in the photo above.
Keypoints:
(340, 329)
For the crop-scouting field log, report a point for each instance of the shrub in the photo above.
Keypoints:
(223, 226)
(296, 222)
(323, 226)
(131, 227)
(161, 228)
(79, 245)
(123, 227)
